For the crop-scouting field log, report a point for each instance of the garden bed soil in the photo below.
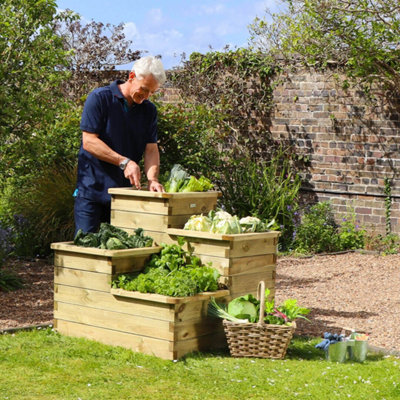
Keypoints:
(344, 291)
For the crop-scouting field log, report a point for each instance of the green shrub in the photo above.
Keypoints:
(318, 232)
(267, 190)
(384, 244)
(9, 280)
(41, 211)
(351, 236)
(187, 136)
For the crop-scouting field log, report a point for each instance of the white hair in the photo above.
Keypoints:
(149, 65)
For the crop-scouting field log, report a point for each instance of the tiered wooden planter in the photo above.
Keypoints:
(243, 260)
(85, 305)
(156, 212)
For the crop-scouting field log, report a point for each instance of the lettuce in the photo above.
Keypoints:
(180, 181)
(178, 178)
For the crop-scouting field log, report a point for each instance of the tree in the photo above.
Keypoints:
(94, 50)
(362, 36)
(30, 72)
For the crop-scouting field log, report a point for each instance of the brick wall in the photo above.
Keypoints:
(352, 144)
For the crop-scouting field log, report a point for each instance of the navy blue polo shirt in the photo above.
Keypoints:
(127, 130)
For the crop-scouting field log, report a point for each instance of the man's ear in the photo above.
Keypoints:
(131, 75)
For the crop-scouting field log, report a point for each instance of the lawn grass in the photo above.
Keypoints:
(41, 364)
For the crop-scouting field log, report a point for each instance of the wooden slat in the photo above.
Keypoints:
(70, 247)
(253, 247)
(223, 236)
(87, 262)
(232, 296)
(239, 265)
(105, 301)
(145, 193)
(149, 222)
(94, 263)
(247, 283)
(194, 328)
(143, 205)
(158, 298)
(128, 264)
(191, 206)
(135, 324)
(146, 345)
(82, 279)
(209, 342)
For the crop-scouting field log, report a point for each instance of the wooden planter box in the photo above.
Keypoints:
(156, 212)
(243, 260)
(85, 305)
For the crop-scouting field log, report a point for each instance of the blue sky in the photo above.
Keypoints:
(169, 28)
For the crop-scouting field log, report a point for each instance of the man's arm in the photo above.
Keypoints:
(95, 146)
(152, 167)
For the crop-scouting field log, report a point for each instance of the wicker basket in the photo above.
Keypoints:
(258, 339)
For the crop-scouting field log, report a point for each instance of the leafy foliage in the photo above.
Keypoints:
(318, 231)
(384, 244)
(236, 85)
(361, 36)
(112, 238)
(173, 272)
(9, 280)
(30, 72)
(266, 189)
(42, 212)
(188, 136)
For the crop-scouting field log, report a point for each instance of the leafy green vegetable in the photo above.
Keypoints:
(180, 180)
(177, 179)
(87, 239)
(254, 224)
(112, 238)
(223, 222)
(244, 307)
(217, 310)
(114, 243)
(197, 185)
(172, 272)
(226, 225)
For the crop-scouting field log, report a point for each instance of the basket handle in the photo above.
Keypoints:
(261, 297)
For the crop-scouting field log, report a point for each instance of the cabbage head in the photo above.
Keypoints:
(244, 307)
(198, 223)
(229, 225)
(250, 224)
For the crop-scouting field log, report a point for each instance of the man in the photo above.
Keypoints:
(119, 127)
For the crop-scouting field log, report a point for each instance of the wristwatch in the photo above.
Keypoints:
(124, 163)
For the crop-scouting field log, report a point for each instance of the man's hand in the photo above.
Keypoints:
(155, 186)
(132, 172)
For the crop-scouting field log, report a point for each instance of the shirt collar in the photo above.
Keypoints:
(115, 89)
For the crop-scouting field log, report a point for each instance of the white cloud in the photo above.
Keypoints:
(214, 9)
(155, 16)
